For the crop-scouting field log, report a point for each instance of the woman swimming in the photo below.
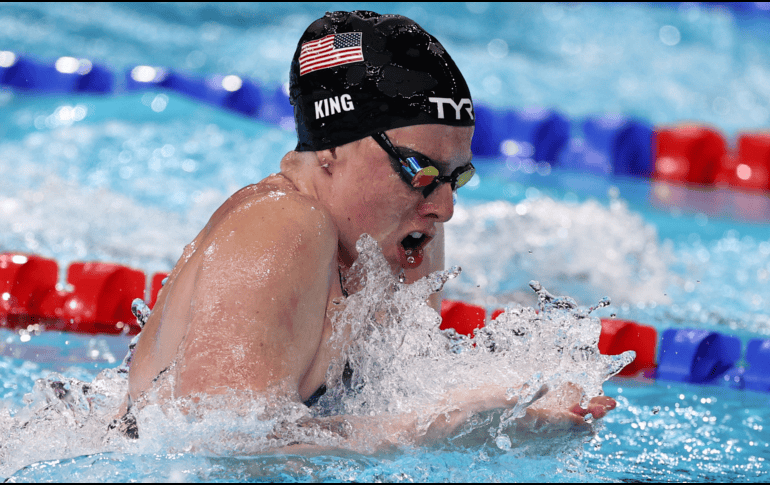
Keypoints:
(384, 120)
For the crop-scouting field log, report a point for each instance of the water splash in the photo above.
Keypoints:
(403, 364)
(64, 417)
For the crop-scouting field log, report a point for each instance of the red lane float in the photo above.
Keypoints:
(25, 281)
(101, 299)
(99, 303)
(463, 317)
(699, 155)
(620, 335)
(691, 154)
(750, 169)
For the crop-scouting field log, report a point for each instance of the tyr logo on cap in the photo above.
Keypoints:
(457, 106)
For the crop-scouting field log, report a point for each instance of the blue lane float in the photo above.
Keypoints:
(231, 92)
(145, 77)
(276, 107)
(547, 130)
(245, 99)
(611, 144)
(208, 90)
(623, 141)
(697, 356)
(97, 80)
(28, 74)
(539, 134)
(488, 133)
(757, 375)
(65, 75)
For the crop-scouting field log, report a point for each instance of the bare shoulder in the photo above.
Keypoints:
(272, 205)
(245, 306)
(263, 271)
(268, 231)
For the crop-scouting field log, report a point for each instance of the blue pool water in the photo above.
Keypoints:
(132, 179)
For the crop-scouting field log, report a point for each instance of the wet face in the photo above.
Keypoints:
(366, 195)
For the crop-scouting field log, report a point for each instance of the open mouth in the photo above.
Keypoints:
(411, 251)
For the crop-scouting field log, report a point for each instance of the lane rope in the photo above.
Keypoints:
(541, 138)
(101, 297)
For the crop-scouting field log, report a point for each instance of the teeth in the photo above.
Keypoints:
(416, 234)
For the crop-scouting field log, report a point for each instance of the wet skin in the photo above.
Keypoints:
(248, 305)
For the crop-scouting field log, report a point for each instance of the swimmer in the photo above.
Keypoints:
(384, 121)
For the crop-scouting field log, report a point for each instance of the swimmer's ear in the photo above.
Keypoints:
(326, 158)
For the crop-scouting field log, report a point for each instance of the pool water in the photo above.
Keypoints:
(131, 179)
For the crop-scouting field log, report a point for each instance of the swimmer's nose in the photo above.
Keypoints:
(439, 204)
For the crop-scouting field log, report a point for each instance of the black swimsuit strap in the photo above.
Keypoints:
(342, 283)
(316, 396)
(347, 376)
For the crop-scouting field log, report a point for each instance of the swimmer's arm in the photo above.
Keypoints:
(367, 434)
(540, 414)
(260, 299)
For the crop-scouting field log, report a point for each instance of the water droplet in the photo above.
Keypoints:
(503, 442)
(141, 311)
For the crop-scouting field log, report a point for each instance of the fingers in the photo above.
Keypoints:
(598, 407)
(551, 420)
(576, 409)
(601, 405)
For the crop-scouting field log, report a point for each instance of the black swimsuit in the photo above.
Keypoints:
(347, 375)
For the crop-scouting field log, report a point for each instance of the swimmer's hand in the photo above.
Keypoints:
(547, 420)
(563, 412)
(598, 407)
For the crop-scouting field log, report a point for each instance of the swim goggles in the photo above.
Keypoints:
(419, 171)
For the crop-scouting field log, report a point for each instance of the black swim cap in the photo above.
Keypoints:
(357, 73)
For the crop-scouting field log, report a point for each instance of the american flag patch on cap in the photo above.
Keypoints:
(332, 50)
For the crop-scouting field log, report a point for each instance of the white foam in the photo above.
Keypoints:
(403, 363)
(80, 223)
(587, 250)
